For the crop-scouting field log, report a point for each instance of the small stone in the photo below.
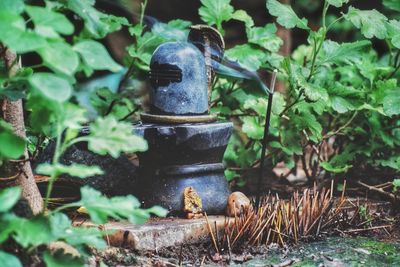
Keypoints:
(237, 203)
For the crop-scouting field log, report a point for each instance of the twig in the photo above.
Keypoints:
(378, 190)
(265, 137)
(211, 233)
(367, 229)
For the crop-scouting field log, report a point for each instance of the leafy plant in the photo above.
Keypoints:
(48, 89)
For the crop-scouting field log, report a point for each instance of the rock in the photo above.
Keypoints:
(237, 203)
(119, 178)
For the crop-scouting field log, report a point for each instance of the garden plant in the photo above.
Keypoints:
(338, 116)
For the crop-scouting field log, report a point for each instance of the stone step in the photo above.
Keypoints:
(159, 233)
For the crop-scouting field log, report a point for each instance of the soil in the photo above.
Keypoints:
(375, 248)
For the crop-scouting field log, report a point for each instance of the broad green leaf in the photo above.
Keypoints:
(391, 103)
(14, 34)
(392, 4)
(278, 103)
(44, 113)
(308, 121)
(215, 12)
(9, 197)
(174, 30)
(100, 207)
(371, 22)
(392, 162)
(75, 170)
(252, 128)
(73, 116)
(285, 15)
(345, 52)
(9, 260)
(258, 105)
(11, 146)
(394, 32)
(158, 211)
(265, 37)
(335, 169)
(13, 6)
(51, 86)
(47, 18)
(33, 231)
(107, 135)
(341, 105)
(337, 3)
(95, 55)
(59, 259)
(247, 56)
(59, 56)
(79, 237)
(136, 30)
(242, 15)
(95, 21)
(314, 92)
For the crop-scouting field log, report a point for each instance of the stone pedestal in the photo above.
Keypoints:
(183, 155)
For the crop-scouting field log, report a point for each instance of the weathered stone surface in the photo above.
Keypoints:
(159, 233)
(120, 175)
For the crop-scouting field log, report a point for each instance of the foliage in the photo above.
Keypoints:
(340, 110)
(48, 89)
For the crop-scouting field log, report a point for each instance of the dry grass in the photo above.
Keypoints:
(305, 216)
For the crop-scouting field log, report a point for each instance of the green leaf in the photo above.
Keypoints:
(371, 22)
(95, 21)
(252, 128)
(79, 237)
(73, 116)
(75, 170)
(215, 12)
(285, 15)
(100, 207)
(9, 197)
(9, 260)
(107, 135)
(11, 146)
(344, 52)
(14, 34)
(174, 30)
(259, 105)
(341, 105)
(314, 92)
(334, 169)
(13, 6)
(59, 56)
(44, 17)
(392, 162)
(247, 56)
(33, 232)
(158, 211)
(103, 98)
(391, 102)
(392, 4)
(337, 3)
(265, 37)
(51, 86)
(59, 259)
(242, 15)
(95, 55)
(394, 32)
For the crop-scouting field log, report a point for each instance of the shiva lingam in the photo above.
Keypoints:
(186, 142)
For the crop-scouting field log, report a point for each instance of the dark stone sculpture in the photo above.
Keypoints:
(186, 145)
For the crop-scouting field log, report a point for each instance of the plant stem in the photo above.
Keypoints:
(56, 157)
